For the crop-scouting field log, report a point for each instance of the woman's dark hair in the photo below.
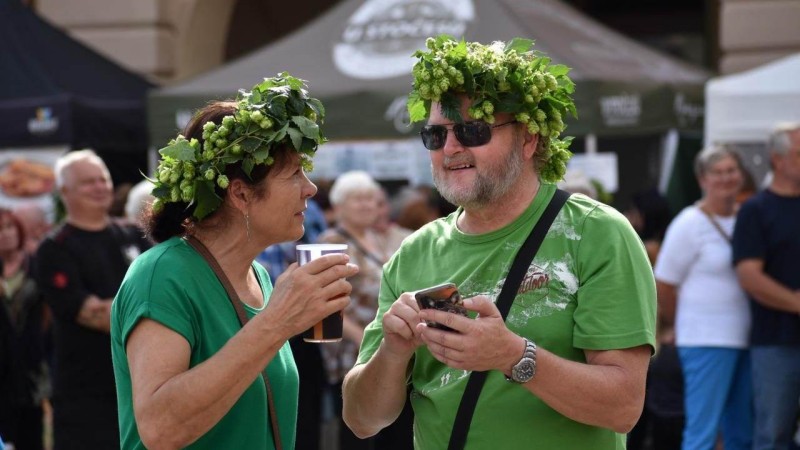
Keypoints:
(17, 224)
(174, 218)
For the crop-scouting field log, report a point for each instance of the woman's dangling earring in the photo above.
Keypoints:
(247, 225)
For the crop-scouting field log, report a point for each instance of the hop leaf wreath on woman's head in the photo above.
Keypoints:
(501, 77)
(276, 112)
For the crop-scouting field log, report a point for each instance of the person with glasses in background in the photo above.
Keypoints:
(700, 298)
(566, 369)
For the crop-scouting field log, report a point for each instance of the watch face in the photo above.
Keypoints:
(523, 371)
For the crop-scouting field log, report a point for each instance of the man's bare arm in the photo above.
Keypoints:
(764, 288)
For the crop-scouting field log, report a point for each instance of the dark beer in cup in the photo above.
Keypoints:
(328, 329)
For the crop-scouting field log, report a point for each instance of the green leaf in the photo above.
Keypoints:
(296, 104)
(180, 150)
(309, 128)
(207, 199)
(250, 144)
(161, 191)
(309, 146)
(316, 105)
(280, 134)
(255, 97)
(460, 50)
(277, 107)
(296, 137)
(451, 107)
(416, 107)
(247, 166)
(511, 102)
(519, 45)
(558, 70)
(261, 155)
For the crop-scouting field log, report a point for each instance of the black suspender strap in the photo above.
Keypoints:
(523, 259)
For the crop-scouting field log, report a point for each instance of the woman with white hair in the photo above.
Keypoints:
(354, 197)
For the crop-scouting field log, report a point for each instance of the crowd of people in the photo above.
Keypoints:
(179, 325)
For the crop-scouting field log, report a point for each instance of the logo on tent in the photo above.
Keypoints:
(381, 35)
(688, 113)
(621, 110)
(44, 122)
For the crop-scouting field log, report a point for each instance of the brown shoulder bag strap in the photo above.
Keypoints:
(240, 312)
(714, 222)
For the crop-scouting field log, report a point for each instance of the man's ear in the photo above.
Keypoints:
(529, 144)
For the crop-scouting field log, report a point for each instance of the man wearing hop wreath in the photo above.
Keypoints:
(197, 323)
(567, 368)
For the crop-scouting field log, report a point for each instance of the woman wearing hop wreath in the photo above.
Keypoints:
(190, 340)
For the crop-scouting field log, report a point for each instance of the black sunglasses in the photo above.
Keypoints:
(469, 134)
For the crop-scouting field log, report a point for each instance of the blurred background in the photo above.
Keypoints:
(123, 77)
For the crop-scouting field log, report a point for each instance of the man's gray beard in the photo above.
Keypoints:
(487, 188)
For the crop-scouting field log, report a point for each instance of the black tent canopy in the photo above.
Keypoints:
(56, 91)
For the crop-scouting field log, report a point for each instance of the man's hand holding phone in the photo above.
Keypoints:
(443, 297)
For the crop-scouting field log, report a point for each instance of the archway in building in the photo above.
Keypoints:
(255, 23)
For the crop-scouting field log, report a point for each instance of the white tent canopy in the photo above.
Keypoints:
(744, 107)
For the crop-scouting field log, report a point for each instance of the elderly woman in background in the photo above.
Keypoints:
(196, 323)
(694, 275)
(355, 199)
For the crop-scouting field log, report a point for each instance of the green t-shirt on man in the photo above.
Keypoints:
(174, 286)
(590, 287)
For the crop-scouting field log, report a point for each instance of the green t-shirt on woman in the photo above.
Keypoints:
(590, 287)
(174, 286)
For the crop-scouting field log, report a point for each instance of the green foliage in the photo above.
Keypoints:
(498, 78)
(276, 112)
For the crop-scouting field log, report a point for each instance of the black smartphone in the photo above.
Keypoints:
(444, 297)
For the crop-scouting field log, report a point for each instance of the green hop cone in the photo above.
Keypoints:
(529, 99)
(223, 131)
(452, 72)
(438, 73)
(174, 176)
(488, 107)
(488, 118)
(523, 117)
(208, 155)
(209, 126)
(228, 122)
(550, 82)
(425, 75)
(540, 115)
(221, 143)
(256, 116)
(266, 123)
(175, 194)
(236, 149)
(195, 144)
(163, 176)
(222, 181)
(209, 175)
(208, 145)
(430, 43)
(443, 84)
(476, 113)
(425, 90)
(533, 127)
(158, 205)
(187, 193)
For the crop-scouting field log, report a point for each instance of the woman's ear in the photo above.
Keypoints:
(239, 194)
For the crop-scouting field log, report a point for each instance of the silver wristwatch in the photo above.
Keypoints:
(525, 369)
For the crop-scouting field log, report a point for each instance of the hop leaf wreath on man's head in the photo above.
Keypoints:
(501, 77)
(276, 112)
